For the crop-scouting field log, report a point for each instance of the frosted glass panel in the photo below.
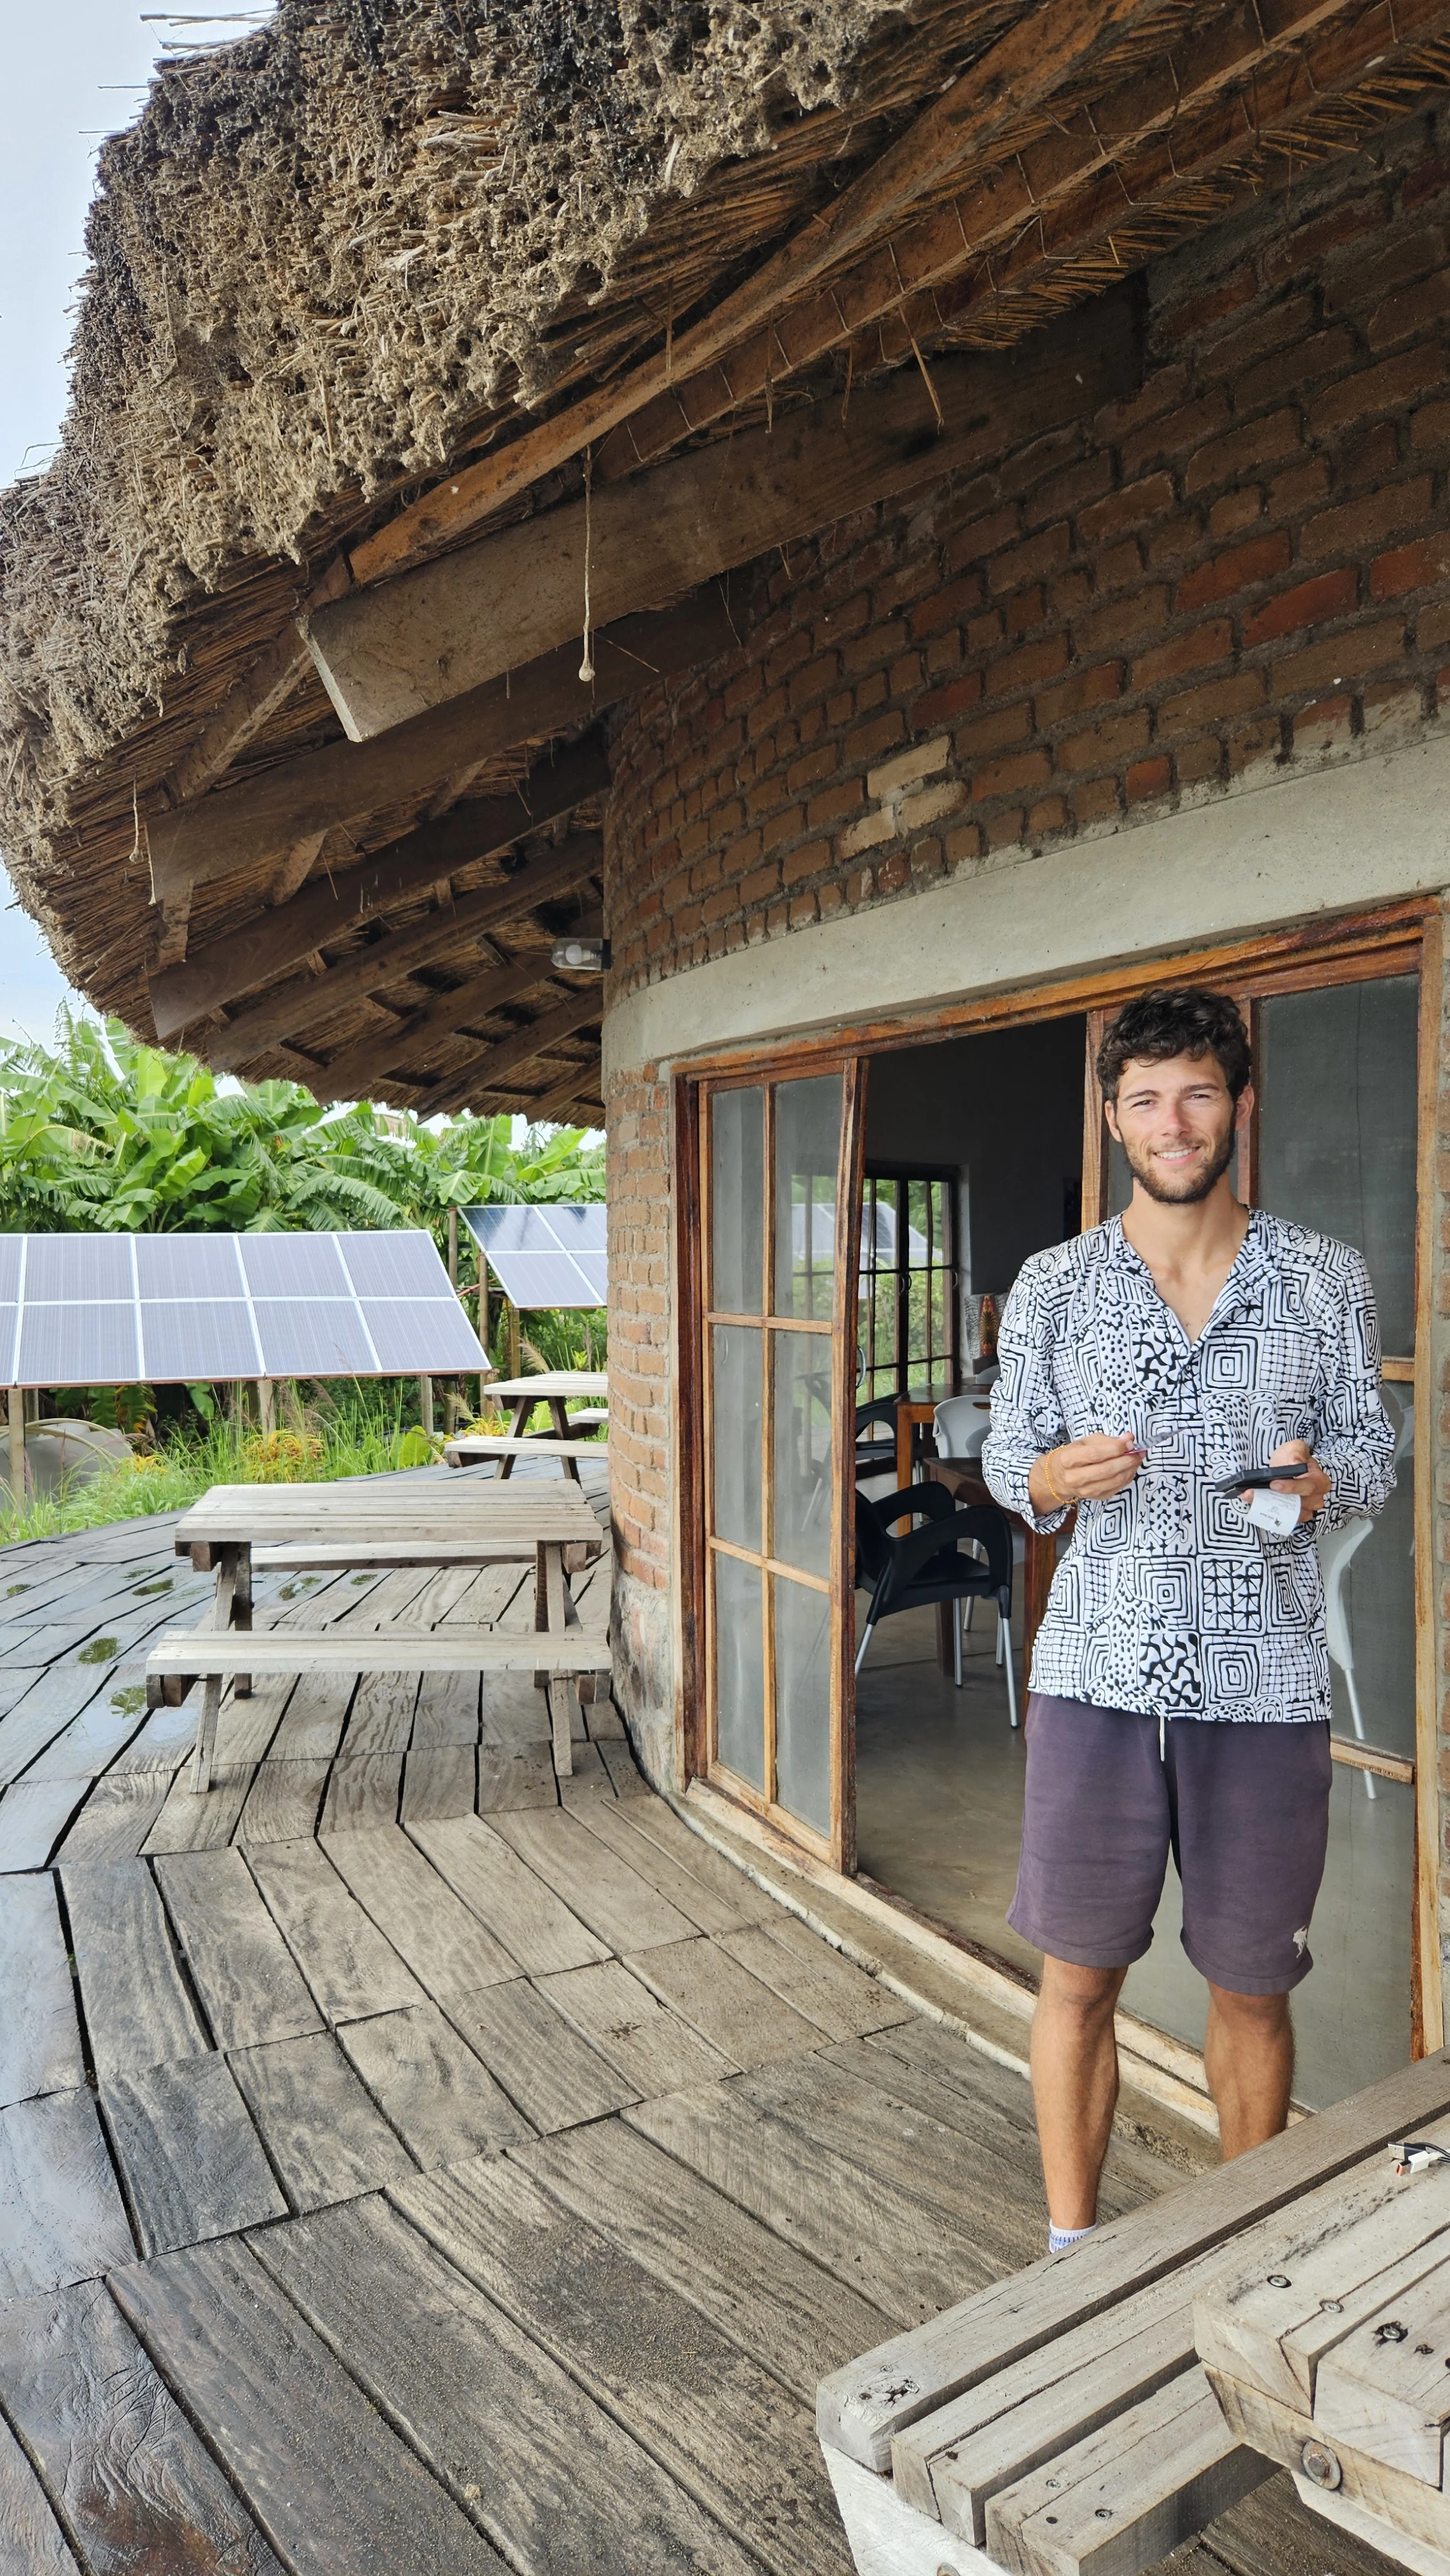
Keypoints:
(739, 1669)
(737, 1403)
(807, 1147)
(803, 1702)
(802, 1437)
(1337, 1128)
(737, 1201)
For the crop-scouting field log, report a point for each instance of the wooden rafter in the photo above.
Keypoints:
(479, 828)
(383, 1050)
(390, 652)
(221, 834)
(497, 1063)
(385, 962)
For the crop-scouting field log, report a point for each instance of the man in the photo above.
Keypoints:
(1180, 1682)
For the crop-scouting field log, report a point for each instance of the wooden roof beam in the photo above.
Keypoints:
(981, 115)
(240, 960)
(219, 835)
(490, 1069)
(385, 962)
(388, 653)
(349, 1074)
(1000, 213)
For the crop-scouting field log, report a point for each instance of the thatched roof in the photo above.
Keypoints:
(378, 243)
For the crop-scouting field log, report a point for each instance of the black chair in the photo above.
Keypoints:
(876, 1457)
(928, 1566)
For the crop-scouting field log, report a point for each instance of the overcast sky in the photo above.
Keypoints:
(74, 70)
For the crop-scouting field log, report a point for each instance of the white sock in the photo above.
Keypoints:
(1059, 2238)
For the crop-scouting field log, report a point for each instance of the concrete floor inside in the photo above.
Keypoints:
(939, 1779)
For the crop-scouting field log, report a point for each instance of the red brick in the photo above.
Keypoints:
(940, 705)
(1304, 483)
(1176, 435)
(1132, 507)
(1432, 180)
(1412, 567)
(1005, 830)
(1305, 247)
(1104, 745)
(963, 841)
(1165, 387)
(1198, 760)
(1091, 688)
(814, 679)
(1097, 798)
(1025, 611)
(1236, 510)
(1124, 620)
(946, 607)
(1430, 426)
(1118, 567)
(1186, 321)
(985, 631)
(1323, 665)
(1176, 537)
(1372, 457)
(1027, 468)
(1384, 388)
(1051, 815)
(1331, 594)
(1323, 355)
(1224, 574)
(1357, 524)
(992, 733)
(1002, 777)
(1212, 701)
(1192, 652)
(1147, 778)
(1071, 593)
(1071, 490)
(1041, 660)
(1432, 628)
(1258, 443)
(1252, 744)
(1324, 725)
(1024, 563)
(1413, 309)
(845, 797)
(980, 538)
(893, 873)
(869, 740)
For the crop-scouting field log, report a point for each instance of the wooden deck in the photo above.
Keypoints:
(411, 2164)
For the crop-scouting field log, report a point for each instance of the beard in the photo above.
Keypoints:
(1192, 1188)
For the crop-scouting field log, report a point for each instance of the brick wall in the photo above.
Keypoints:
(640, 1379)
(1247, 564)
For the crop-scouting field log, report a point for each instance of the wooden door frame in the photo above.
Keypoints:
(1404, 937)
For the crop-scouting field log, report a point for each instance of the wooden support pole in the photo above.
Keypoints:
(425, 1402)
(266, 1407)
(17, 1448)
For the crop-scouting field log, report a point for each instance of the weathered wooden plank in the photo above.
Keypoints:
(247, 1728)
(32, 1820)
(648, 2042)
(61, 2217)
(349, 1967)
(346, 1651)
(722, 2000)
(283, 1803)
(40, 2040)
(859, 2409)
(625, 1776)
(323, 2132)
(449, 1951)
(333, 2487)
(706, 1903)
(764, 2295)
(31, 2540)
(883, 2239)
(188, 2153)
(240, 1965)
(1124, 2497)
(515, 1776)
(528, 1918)
(1403, 2505)
(440, 1782)
(586, 1784)
(437, 2094)
(610, 1896)
(714, 2417)
(164, 1741)
(1386, 2392)
(447, 1710)
(658, 1826)
(541, 2061)
(116, 1819)
(137, 2009)
(556, 2483)
(512, 1713)
(89, 1745)
(840, 1998)
(381, 1717)
(363, 1790)
(140, 2490)
(201, 1821)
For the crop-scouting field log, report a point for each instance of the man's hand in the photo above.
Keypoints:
(1312, 1490)
(1083, 1471)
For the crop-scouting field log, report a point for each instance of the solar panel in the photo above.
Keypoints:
(112, 1310)
(546, 1256)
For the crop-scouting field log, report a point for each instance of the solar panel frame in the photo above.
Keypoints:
(549, 1255)
(233, 1320)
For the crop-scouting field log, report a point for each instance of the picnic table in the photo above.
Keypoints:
(235, 1529)
(557, 1388)
(1062, 2423)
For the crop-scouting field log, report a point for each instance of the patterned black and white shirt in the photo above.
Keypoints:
(1169, 1601)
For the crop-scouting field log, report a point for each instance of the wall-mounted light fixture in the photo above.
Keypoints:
(581, 956)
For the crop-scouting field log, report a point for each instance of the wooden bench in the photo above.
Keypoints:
(1060, 2421)
(473, 1447)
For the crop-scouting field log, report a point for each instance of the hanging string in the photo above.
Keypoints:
(586, 667)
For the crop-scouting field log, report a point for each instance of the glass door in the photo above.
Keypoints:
(907, 1330)
(779, 1193)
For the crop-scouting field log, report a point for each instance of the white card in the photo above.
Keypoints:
(1276, 1513)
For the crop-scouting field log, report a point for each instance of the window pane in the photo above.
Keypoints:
(737, 1212)
(1337, 1128)
(802, 1435)
(807, 1141)
(918, 1238)
(803, 1702)
(735, 1408)
(739, 1669)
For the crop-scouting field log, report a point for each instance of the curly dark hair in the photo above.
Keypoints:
(1165, 1023)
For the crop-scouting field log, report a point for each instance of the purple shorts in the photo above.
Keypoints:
(1243, 1809)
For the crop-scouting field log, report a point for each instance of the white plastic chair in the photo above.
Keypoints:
(1337, 1549)
(960, 1426)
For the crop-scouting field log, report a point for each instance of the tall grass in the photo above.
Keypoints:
(360, 1433)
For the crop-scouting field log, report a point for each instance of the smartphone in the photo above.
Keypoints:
(1257, 1480)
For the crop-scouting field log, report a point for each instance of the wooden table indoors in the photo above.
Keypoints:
(968, 1485)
